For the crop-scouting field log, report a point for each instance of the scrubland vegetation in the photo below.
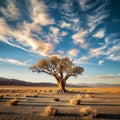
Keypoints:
(41, 103)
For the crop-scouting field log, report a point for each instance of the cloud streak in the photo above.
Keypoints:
(11, 11)
(14, 61)
(44, 34)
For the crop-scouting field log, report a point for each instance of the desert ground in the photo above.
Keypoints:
(32, 102)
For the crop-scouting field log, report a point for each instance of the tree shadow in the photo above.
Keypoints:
(68, 115)
(101, 104)
(103, 97)
(108, 116)
(8, 113)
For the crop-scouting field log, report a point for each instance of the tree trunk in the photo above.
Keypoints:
(61, 85)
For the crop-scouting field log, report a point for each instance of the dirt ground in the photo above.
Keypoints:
(33, 101)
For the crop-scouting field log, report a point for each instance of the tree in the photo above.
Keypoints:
(60, 68)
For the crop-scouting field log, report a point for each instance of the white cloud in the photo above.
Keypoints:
(43, 19)
(72, 53)
(75, 20)
(11, 11)
(114, 49)
(114, 57)
(39, 13)
(15, 62)
(24, 39)
(100, 62)
(100, 33)
(97, 16)
(64, 33)
(113, 53)
(54, 30)
(95, 20)
(64, 24)
(85, 5)
(95, 52)
(66, 8)
(79, 37)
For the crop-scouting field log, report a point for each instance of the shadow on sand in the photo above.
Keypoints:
(108, 116)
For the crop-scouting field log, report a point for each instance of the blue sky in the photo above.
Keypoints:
(87, 31)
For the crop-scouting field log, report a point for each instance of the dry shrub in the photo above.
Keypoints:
(56, 99)
(88, 112)
(75, 101)
(26, 95)
(34, 95)
(49, 111)
(12, 102)
(1, 96)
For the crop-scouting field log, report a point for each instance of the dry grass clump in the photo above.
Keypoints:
(1, 95)
(49, 111)
(26, 95)
(12, 102)
(34, 95)
(75, 101)
(88, 112)
(56, 99)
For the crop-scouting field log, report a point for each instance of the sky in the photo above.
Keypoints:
(86, 31)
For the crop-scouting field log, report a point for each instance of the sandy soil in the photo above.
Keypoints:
(30, 108)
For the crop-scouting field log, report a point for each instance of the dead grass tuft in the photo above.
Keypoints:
(88, 112)
(75, 101)
(1, 95)
(12, 102)
(49, 111)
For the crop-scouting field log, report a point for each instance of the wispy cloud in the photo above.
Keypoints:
(42, 33)
(79, 37)
(11, 11)
(72, 53)
(64, 24)
(64, 33)
(100, 33)
(25, 37)
(98, 16)
(54, 30)
(15, 62)
(85, 5)
(100, 62)
(39, 13)
(94, 52)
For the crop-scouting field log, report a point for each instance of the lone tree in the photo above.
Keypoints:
(60, 68)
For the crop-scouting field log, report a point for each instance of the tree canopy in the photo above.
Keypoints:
(60, 68)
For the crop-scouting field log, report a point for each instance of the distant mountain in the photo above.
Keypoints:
(14, 82)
